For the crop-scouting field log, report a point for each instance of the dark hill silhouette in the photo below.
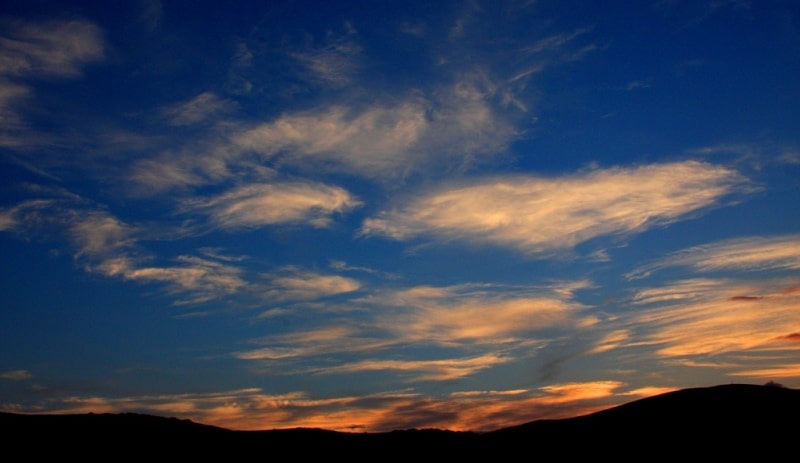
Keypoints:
(731, 421)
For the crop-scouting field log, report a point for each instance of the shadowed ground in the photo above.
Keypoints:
(731, 421)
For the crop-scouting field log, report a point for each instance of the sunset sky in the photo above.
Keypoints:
(380, 215)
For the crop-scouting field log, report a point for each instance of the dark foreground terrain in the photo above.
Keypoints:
(736, 421)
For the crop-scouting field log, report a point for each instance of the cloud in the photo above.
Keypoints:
(568, 392)
(201, 108)
(16, 375)
(457, 122)
(203, 279)
(478, 314)
(758, 253)
(12, 219)
(258, 205)
(54, 48)
(540, 215)
(783, 371)
(108, 246)
(98, 234)
(192, 166)
(251, 409)
(709, 317)
(104, 244)
(11, 94)
(333, 64)
(326, 340)
(484, 324)
(424, 370)
(375, 141)
(31, 51)
(381, 142)
(93, 233)
(294, 284)
(386, 140)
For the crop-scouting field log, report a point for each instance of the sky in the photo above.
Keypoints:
(377, 215)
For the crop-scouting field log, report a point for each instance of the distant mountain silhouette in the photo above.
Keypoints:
(728, 421)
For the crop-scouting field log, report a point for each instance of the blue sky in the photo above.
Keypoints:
(367, 216)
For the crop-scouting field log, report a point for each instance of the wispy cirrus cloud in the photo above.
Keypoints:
(203, 107)
(758, 253)
(194, 279)
(102, 243)
(97, 234)
(708, 317)
(329, 339)
(296, 284)
(335, 62)
(384, 140)
(782, 371)
(92, 232)
(460, 120)
(199, 164)
(541, 215)
(481, 314)
(261, 204)
(16, 375)
(476, 327)
(372, 140)
(52, 48)
(30, 51)
(424, 370)
(23, 214)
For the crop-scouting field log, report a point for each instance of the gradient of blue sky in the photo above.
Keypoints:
(383, 215)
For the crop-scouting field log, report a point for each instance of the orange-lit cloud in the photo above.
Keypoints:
(541, 215)
(258, 205)
(444, 315)
(250, 409)
(706, 317)
(295, 284)
(782, 371)
(422, 370)
(793, 337)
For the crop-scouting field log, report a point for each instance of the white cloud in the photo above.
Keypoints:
(259, 205)
(387, 140)
(542, 215)
(374, 141)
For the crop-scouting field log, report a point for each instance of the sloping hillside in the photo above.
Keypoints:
(734, 420)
